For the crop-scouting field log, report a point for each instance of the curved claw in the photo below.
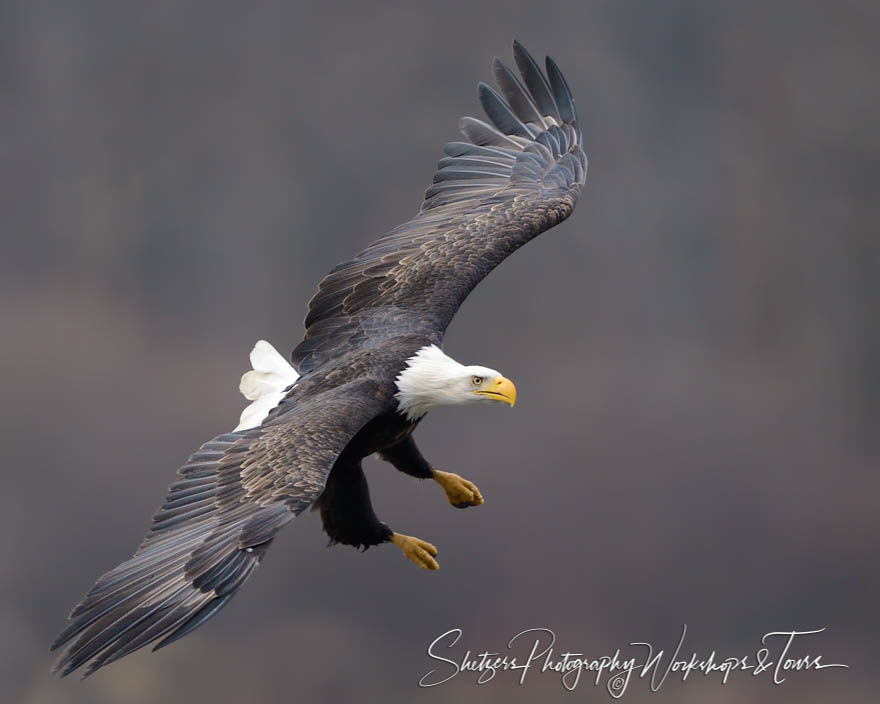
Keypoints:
(461, 492)
(419, 551)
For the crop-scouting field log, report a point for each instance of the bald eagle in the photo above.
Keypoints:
(367, 371)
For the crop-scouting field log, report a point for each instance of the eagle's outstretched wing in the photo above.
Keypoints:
(490, 196)
(219, 518)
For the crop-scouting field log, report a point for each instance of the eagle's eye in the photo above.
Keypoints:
(476, 380)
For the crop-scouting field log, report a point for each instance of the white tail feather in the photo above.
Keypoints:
(265, 384)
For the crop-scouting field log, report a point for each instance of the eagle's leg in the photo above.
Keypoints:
(419, 551)
(346, 511)
(348, 517)
(406, 457)
(460, 492)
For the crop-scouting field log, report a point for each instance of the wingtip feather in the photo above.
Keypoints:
(561, 92)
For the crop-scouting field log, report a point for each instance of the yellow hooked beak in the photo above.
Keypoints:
(502, 389)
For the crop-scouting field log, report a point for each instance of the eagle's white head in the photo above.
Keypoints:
(432, 378)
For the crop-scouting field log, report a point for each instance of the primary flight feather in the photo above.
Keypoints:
(367, 371)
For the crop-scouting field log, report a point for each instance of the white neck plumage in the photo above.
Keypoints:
(429, 379)
(423, 382)
(432, 378)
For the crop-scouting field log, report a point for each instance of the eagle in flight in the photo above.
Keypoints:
(367, 371)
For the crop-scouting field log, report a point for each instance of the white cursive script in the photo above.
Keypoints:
(534, 650)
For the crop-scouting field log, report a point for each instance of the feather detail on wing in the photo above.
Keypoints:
(219, 517)
(518, 175)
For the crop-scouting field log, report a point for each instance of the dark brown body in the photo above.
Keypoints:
(346, 510)
(510, 181)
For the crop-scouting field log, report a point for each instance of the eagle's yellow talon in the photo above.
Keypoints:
(460, 492)
(419, 551)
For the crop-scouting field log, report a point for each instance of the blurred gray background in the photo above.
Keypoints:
(696, 349)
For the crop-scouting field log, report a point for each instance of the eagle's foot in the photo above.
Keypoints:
(419, 551)
(460, 492)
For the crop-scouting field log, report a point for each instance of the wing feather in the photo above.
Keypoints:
(535, 81)
(218, 520)
(517, 95)
(512, 180)
(501, 114)
(561, 93)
